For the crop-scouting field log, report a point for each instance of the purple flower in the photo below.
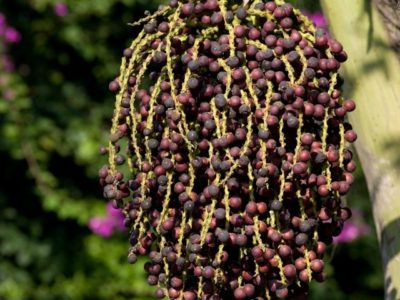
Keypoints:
(317, 17)
(102, 226)
(106, 226)
(7, 63)
(353, 229)
(3, 24)
(111, 211)
(8, 95)
(11, 35)
(117, 215)
(60, 9)
(2, 20)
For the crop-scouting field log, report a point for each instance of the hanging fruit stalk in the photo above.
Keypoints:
(232, 123)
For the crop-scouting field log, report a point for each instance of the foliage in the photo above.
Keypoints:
(54, 113)
(51, 129)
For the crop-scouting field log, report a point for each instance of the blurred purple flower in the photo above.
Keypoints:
(2, 19)
(353, 229)
(60, 9)
(11, 35)
(102, 226)
(7, 64)
(317, 17)
(8, 95)
(111, 211)
(106, 226)
(2, 24)
(117, 216)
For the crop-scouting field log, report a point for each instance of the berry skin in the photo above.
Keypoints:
(192, 136)
(301, 239)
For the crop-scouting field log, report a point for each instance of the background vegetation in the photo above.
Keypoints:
(54, 114)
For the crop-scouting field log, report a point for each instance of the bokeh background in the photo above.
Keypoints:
(58, 238)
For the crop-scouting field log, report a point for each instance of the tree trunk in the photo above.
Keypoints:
(390, 13)
(372, 76)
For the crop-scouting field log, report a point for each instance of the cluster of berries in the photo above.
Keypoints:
(232, 123)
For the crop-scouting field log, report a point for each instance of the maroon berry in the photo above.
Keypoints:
(240, 293)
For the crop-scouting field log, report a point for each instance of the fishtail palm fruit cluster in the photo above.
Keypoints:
(227, 151)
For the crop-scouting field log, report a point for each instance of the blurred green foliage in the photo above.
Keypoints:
(50, 133)
(51, 130)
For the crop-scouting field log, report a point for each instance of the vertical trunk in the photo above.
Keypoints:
(372, 74)
(390, 13)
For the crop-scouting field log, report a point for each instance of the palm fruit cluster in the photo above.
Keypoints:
(227, 151)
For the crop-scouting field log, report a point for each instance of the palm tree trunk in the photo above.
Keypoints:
(390, 13)
(373, 80)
